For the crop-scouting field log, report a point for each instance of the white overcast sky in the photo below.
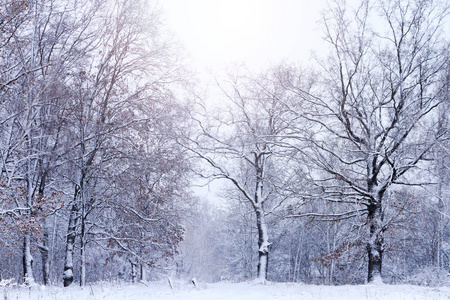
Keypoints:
(256, 33)
(259, 33)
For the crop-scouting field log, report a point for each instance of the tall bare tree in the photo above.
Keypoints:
(240, 146)
(42, 50)
(126, 74)
(375, 107)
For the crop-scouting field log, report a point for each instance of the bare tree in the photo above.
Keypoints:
(78, 79)
(240, 146)
(375, 107)
(144, 194)
(42, 50)
(127, 73)
(14, 17)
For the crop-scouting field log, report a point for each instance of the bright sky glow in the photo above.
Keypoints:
(259, 33)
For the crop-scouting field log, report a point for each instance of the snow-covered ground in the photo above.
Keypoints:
(225, 291)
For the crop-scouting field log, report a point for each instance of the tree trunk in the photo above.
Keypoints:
(133, 272)
(44, 248)
(70, 239)
(143, 274)
(83, 263)
(440, 217)
(83, 247)
(375, 244)
(27, 260)
(263, 245)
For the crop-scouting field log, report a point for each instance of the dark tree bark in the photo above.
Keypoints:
(375, 244)
(74, 218)
(27, 260)
(45, 252)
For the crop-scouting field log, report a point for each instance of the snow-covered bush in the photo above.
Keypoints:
(430, 276)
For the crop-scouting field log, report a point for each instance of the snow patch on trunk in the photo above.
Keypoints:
(29, 281)
(264, 247)
(67, 274)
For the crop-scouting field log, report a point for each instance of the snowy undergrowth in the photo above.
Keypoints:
(224, 291)
(430, 276)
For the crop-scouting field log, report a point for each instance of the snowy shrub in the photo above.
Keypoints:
(6, 285)
(430, 276)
